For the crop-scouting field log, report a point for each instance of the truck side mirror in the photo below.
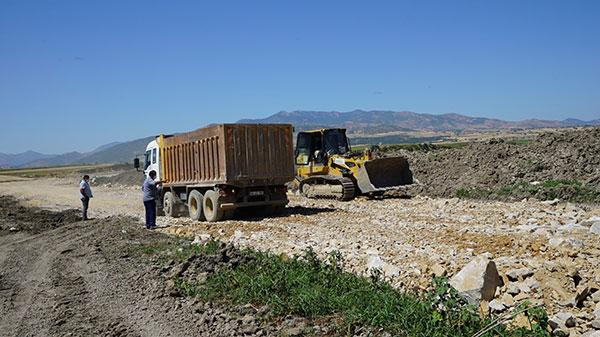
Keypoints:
(136, 163)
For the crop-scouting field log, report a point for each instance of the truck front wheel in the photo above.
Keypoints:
(212, 211)
(169, 206)
(195, 205)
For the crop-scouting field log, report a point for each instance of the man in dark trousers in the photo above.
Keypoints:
(85, 193)
(150, 196)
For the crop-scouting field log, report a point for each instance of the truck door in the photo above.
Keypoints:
(152, 159)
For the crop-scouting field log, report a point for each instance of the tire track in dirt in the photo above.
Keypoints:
(25, 272)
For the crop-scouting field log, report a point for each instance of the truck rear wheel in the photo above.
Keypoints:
(169, 206)
(212, 211)
(195, 205)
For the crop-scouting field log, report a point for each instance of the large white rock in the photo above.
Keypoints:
(595, 228)
(375, 262)
(477, 281)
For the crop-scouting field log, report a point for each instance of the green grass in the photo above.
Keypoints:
(306, 286)
(462, 193)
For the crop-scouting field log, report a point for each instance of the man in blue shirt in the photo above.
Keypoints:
(85, 193)
(149, 198)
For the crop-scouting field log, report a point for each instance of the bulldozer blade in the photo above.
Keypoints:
(384, 174)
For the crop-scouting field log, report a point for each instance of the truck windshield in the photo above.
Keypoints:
(147, 159)
(335, 142)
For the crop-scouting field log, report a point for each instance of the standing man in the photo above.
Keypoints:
(150, 196)
(85, 193)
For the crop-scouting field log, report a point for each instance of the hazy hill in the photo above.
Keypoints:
(579, 122)
(120, 153)
(116, 152)
(357, 120)
(12, 160)
(59, 160)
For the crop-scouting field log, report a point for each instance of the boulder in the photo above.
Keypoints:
(477, 281)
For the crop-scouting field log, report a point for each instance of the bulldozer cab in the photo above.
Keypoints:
(316, 145)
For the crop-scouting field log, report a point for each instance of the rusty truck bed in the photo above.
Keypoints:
(229, 154)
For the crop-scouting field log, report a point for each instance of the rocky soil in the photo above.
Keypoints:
(546, 252)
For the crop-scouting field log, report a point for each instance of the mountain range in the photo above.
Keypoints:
(358, 122)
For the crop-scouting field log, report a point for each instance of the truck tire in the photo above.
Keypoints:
(210, 206)
(169, 206)
(195, 205)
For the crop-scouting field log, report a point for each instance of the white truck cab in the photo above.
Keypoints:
(152, 160)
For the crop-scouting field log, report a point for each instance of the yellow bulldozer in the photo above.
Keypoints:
(328, 168)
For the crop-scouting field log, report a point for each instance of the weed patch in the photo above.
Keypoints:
(306, 286)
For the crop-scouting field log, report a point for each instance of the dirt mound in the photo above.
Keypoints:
(34, 220)
(553, 165)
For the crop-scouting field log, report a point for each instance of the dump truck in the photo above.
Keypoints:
(211, 172)
(328, 168)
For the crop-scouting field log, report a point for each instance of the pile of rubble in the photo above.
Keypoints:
(507, 171)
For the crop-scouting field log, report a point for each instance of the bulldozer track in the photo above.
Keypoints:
(348, 188)
(326, 187)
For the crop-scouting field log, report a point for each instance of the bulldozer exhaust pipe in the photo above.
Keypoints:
(384, 174)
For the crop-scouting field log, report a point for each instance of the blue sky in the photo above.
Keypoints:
(78, 74)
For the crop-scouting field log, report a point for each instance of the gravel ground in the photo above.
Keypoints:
(412, 239)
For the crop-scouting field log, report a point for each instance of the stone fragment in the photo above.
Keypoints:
(591, 334)
(562, 318)
(521, 273)
(591, 221)
(533, 284)
(390, 270)
(523, 287)
(496, 305)
(595, 228)
(513, 288)
(201, 239)
(375, 262)
(484, 306)
(521, 296)
(596, 324)
(555, 242)
(582, 292)
(522, 321)
(551, 202)
(508, 300)
(477, 281)
(439, 270)
(596, 296)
